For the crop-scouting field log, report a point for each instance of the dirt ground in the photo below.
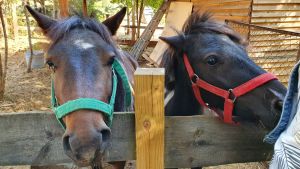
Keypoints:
(31, 91)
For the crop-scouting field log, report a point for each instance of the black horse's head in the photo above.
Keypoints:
(218, 56)
(81, 56)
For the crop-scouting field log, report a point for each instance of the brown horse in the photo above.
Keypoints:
(81, 56)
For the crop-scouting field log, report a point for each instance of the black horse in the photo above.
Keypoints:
(218, 56)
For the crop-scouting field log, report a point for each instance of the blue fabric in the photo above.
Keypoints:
(289, 106)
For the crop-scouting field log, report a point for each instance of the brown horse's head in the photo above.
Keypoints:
(81, 56)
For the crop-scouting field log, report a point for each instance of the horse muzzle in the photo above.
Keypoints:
(85, 146)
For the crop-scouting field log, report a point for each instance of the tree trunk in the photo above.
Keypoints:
(15, 20)
(133, 30)
(55, 6)
(29, 38)
(3, 71)
(137, 16)
(84, 10)
(63, 8)
(142, 5)
(128, 23)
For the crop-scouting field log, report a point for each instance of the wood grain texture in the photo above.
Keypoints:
(276, 1)
(177, 15)
(35, 138)
(149, 118)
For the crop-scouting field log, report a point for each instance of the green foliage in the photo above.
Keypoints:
(155, 4)
(101, 9)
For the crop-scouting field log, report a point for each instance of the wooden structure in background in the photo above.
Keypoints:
(141, 44)
(177, 15)
(277, 14)
(34, 138)
(149, 118)
(224, 9)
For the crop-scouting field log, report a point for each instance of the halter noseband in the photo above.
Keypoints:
(91, 103)
(230, 95)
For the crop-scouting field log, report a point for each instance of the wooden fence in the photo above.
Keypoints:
(156, 141)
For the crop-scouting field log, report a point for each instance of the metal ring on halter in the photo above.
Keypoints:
(194, 79)
(230, 91)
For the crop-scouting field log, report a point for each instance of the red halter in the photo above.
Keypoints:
(229, 95)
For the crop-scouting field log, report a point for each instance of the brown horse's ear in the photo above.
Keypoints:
(174, 41)
(113, 23)
(43, 21)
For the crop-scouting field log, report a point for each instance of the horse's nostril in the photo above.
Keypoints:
(105, 135)
(66, 143)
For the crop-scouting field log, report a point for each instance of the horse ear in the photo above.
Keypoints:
(43, 21)
(113, 23)
(174, 41)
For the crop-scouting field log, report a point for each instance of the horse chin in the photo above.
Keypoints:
(96, 163)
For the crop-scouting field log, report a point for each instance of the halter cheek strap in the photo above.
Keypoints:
(91, 103)
(230, 95)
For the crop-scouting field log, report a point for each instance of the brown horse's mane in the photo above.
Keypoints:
(59, 30)
(197, 23)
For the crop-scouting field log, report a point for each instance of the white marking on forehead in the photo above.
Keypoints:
(81, 44)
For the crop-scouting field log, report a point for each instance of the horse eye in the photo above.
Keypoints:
(212, 60)
(51, 65)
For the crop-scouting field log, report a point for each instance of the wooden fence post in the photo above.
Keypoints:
(149, 118)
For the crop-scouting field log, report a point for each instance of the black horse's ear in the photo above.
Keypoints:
(43, 21)
(113, 23)
(174, 41)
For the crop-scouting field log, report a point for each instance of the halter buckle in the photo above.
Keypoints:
(231, 95)
(194, 78)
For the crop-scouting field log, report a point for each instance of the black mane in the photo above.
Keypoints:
(197, 23)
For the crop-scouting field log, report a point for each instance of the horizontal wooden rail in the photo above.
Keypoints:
(264, 28)
(34, 138)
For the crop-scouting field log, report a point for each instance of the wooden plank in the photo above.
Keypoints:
(35, 138)
(199, 4)
(274, 7)
(260, 28)
(275, 1)
(137, 50)
(263, 48)
(177, 15)
(241, 11)
(281, 25)
(236, 18)
(276, 20)
(149, 118)
(276, 14)
(220, 3)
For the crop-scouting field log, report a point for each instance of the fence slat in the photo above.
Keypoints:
(149, 109)
(35, 138)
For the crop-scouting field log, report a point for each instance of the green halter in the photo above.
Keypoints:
(91, 103)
